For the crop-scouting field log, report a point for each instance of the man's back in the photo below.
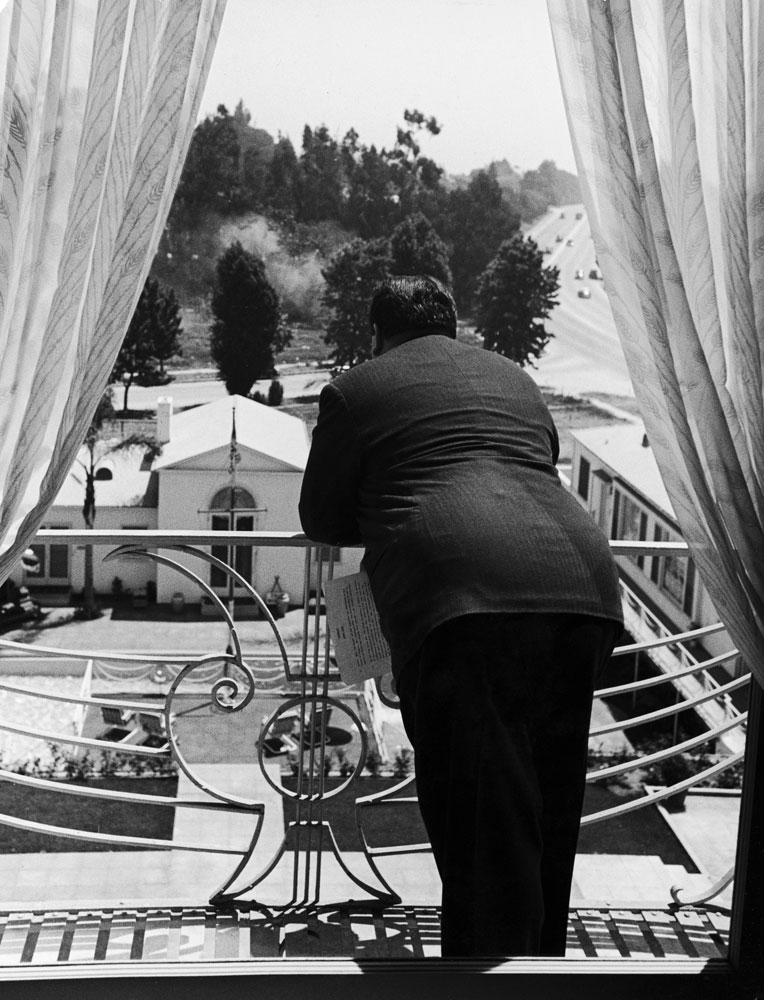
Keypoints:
(499, 598)
(450, 452)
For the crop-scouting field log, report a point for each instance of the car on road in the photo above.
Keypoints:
(579, 274)
(547, 249)
(595, 275)
(570, 243)
(584, 293)
(558, 238)
(579, 215)
(562, 215)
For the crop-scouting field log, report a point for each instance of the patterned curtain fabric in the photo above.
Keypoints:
(100, 100)
(666, 110)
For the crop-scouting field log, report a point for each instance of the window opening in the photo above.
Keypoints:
(583, 478)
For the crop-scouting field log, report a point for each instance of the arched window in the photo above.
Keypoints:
(103, 474)
(242, 499)
(241, 503)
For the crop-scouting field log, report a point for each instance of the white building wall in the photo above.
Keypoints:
(134, 573)
(185, 496)
(703, 612)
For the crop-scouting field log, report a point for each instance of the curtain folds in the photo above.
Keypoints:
(664, 104)
(100, 100)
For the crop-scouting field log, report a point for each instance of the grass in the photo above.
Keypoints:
(195, 339)
(567, 415)
(643, 832)
(384, 825)
(308, 347)
(81, 813)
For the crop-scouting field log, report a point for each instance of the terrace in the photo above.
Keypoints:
(100, 103)
(242, 887)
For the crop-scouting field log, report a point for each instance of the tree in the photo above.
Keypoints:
(515, 294)
(372, 205)
(476, 220)
(97, 447)
(211, 177)
(248, 327)
(255, 154)
(283, 185)
(151, 340)
(547, 186)
(416, 248)
(321, 168)
(417, 177)
(351, 276)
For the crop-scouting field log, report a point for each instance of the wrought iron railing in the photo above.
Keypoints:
(298, 730)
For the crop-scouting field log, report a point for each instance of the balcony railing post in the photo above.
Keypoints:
(747, 924)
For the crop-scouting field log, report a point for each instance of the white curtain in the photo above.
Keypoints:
(100, 99)
(666, 110)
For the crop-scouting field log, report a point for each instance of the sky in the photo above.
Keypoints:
(485, 69)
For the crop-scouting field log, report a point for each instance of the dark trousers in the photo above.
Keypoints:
(497, 708)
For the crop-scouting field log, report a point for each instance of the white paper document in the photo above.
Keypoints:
(360, 648)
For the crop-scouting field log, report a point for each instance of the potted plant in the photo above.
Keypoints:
(670, 772)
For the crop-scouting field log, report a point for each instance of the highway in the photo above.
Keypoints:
(585, 354)
(583, 357)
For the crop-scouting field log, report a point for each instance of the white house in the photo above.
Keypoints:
(191, 486)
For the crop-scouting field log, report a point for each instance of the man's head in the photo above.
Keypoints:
(410, 306)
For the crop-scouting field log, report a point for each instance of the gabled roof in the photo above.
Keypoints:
(259, 428)
(620, 448)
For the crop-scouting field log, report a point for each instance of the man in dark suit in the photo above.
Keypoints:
(498, 596)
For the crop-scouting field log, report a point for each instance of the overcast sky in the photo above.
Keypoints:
(484, 68)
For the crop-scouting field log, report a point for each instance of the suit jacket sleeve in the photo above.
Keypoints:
(328, 500)
(555, 444)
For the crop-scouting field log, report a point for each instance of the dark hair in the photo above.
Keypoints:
(413, 303)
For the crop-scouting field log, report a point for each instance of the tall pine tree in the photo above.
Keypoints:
(248, 328)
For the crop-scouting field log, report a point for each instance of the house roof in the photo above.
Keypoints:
(620, 447)
(198, 431)
(129, 486)
(260, 428)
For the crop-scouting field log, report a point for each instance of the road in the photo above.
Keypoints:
(585, 355)
(296, 383)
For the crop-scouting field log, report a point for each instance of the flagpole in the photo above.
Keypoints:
(233, 461)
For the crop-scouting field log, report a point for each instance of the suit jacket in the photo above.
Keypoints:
(440, 459)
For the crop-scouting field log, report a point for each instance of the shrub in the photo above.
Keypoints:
(105, 765)
(373, 762)
(343, 764)
(403, 763)
(275, 393)
(671, 771)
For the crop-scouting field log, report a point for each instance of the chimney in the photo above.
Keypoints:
(164, 419)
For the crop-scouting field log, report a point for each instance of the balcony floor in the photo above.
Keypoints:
(100, 936)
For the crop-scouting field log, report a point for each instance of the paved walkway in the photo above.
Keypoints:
(115, 634)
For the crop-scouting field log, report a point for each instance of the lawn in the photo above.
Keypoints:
(82, 813)
(384, 825)
(568, 415)
(307, 345)
(643, 832)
